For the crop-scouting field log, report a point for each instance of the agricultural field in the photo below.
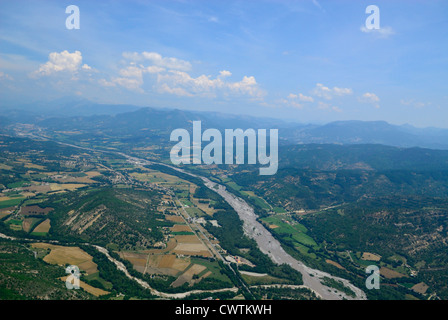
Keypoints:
(252, 279)
(289, 229)
(31, 219)
(370, 256)
(88, 288)
(183, 269)
(43, 228)
(29, 223)
(62, 255)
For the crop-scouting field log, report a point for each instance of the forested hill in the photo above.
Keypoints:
(364, 157)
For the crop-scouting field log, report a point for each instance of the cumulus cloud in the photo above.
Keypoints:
(371, 98)
(322, 91)
(158, 60)
(132, 72)
(154, 69)
(172, 76)
(181, 83)
(294, 100)
(131, 77)
(305, 98)
(225, 73)
(61, 62)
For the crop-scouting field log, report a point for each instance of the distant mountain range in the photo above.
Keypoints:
(63, 107)
(369, 132)
(129, 119)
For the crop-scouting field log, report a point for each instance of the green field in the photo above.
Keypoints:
(94, 279)
(14, 224)
(16, 184)
(10, 203)
(214, 267)
(14, 221)
(293, 230)
(186, 202)
(182, 233)
(39, 234)
(194, 211)
(261, 203)
(233, 185)
(250, 280)
(258, 201)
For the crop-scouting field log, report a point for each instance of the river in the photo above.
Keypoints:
(270, 246)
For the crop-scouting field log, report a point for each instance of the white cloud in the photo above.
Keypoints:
(173, 77)
(154, 69)
(414, 103)
(132, 72)
(131, 77)
(322, 91)
(164, 88)
(292, 100)
(225, 73)
(371, 97)
(383, 32)
(61, 62)
(305, 98)
(158, 60)
(342, 91)
(248, 86)
(181, 83)
(86, 67)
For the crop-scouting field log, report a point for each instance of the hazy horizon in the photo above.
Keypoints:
(303, 61)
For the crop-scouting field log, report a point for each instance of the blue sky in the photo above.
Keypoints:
(305, 61)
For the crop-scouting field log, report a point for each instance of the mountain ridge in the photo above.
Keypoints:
(76, 113)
